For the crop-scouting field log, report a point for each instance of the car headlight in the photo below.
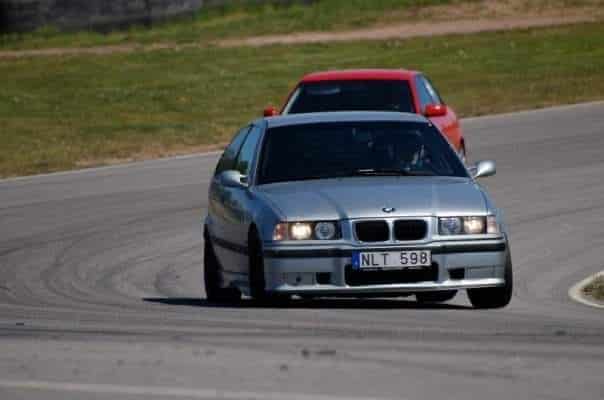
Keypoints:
(468, 225)
(450, 226)
(301, 231)
(474, 225)
(492, 224)
(325, 230)
(321, 230)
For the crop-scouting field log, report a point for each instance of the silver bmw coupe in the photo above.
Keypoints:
(352, 204)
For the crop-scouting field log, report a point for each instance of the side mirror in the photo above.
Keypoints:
(270, 111)
(483, 169)
(233, 179)
(435, 110)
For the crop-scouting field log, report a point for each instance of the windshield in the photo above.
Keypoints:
(351, 96)
(332, 150)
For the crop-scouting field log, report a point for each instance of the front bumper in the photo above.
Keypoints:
(327, 271)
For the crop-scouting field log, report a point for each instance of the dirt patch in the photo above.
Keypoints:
(97, 50)
(403, 31)
(457, 18)
(511, 8)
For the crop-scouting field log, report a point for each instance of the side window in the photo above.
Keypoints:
(433, 93)
(424, 96)
(292, 101)
(227, 161)
(248, 150)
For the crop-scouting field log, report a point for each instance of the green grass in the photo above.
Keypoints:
(595, 288)
(242, 18)
(61, 112)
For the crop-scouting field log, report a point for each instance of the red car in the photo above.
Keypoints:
(374, 90)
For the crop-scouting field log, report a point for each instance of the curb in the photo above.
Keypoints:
(576, 294)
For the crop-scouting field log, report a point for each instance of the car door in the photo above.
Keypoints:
(237, 206)
(219, 198)
(448, 123)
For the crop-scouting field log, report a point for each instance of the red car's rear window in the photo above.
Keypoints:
(370, 95)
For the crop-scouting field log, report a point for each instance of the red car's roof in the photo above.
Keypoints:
(360, 75)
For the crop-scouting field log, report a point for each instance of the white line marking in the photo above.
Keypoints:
(110, 167)
(167, 391)
(576, 293)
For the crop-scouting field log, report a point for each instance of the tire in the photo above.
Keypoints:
(496, 297)
(435, 297)
(211, 276)
(257, 282)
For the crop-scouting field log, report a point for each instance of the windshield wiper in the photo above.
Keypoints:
(358, 172)
(389, 172)
(310, 178)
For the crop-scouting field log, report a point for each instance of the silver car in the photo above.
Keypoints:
(352, 204)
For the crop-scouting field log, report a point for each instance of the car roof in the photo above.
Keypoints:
(342, 116)
(360, 75)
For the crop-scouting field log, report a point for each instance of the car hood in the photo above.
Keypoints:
(365, 197)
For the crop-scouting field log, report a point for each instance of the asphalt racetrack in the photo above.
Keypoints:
(101, 291)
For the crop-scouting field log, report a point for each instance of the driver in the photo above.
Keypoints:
(409, 149)
(399, 151)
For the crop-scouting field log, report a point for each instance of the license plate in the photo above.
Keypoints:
(391, 259)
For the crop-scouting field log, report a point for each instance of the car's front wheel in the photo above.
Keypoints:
(435, 297)
(257, 281)
(497, 297)
(211, 276)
